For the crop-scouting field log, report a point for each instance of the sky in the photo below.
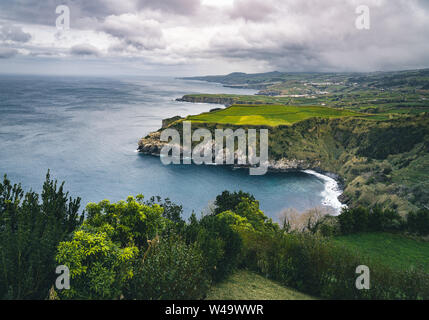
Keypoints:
(201, 37)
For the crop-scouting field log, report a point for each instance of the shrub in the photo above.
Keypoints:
(249, 209)
(132, 220)
(170, 270)
(418, 222)
(220, 243)
(229, 200)
(98, 267)
(385, 220)
(30, 231)
(314, 265)
(171, 211)
(355, 220)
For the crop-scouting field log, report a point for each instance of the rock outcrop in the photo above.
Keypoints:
(151, 144)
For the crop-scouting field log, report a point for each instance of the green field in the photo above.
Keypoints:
(269, 115)
(245, 285)
(394, 250)
(403, 92)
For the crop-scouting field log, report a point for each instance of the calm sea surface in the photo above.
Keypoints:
(85, 130)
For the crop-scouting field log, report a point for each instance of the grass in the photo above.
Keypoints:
(269, 115)
(397, 251)
(359, 100)
(246, 285)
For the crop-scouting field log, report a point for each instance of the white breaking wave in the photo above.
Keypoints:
(331, 193)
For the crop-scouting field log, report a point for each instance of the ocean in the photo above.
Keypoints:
(85, 131)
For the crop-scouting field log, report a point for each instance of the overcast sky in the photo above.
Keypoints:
(197, 37)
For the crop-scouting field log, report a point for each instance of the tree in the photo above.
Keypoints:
(418, 222)
(30, 231)
(98, 267)
(249, 209)
(220, 243)
(132, 220)
(228, 201)
(170, 269)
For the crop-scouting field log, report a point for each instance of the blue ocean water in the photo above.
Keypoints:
(85, 130)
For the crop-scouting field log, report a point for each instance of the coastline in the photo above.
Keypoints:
(332, 191)
(332, 182)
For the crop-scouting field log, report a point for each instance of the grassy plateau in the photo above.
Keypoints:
(269, 115)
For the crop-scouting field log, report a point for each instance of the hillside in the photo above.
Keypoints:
(378, 93)
(246, 285)
(397, 251)
(269, 115)
(382, 162)
(283, 83)
(370, 129)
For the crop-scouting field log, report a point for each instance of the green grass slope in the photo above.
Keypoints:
(245, 285)
(269, 115)
(396, 251)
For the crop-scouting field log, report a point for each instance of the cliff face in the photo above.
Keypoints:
(373, 158)
(208, 99)
(151, 144)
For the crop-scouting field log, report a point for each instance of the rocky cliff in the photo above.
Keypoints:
(375, 159)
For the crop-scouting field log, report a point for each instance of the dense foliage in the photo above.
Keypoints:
(30, 230)
(418, 222)
(170, 269)
(315, 265)
(229, 200)
(98, 267)
(137, 249)
(360, 219)
(366, 220)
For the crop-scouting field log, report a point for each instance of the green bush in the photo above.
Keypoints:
(98, 267)
(218, 240)
(360, 219)
(221, 245)
(171, 270)
(418, 222)
(230, 200)
(30, 231)
(132, 221)
(316, 266)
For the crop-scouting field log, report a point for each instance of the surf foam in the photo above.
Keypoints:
(330, 193)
